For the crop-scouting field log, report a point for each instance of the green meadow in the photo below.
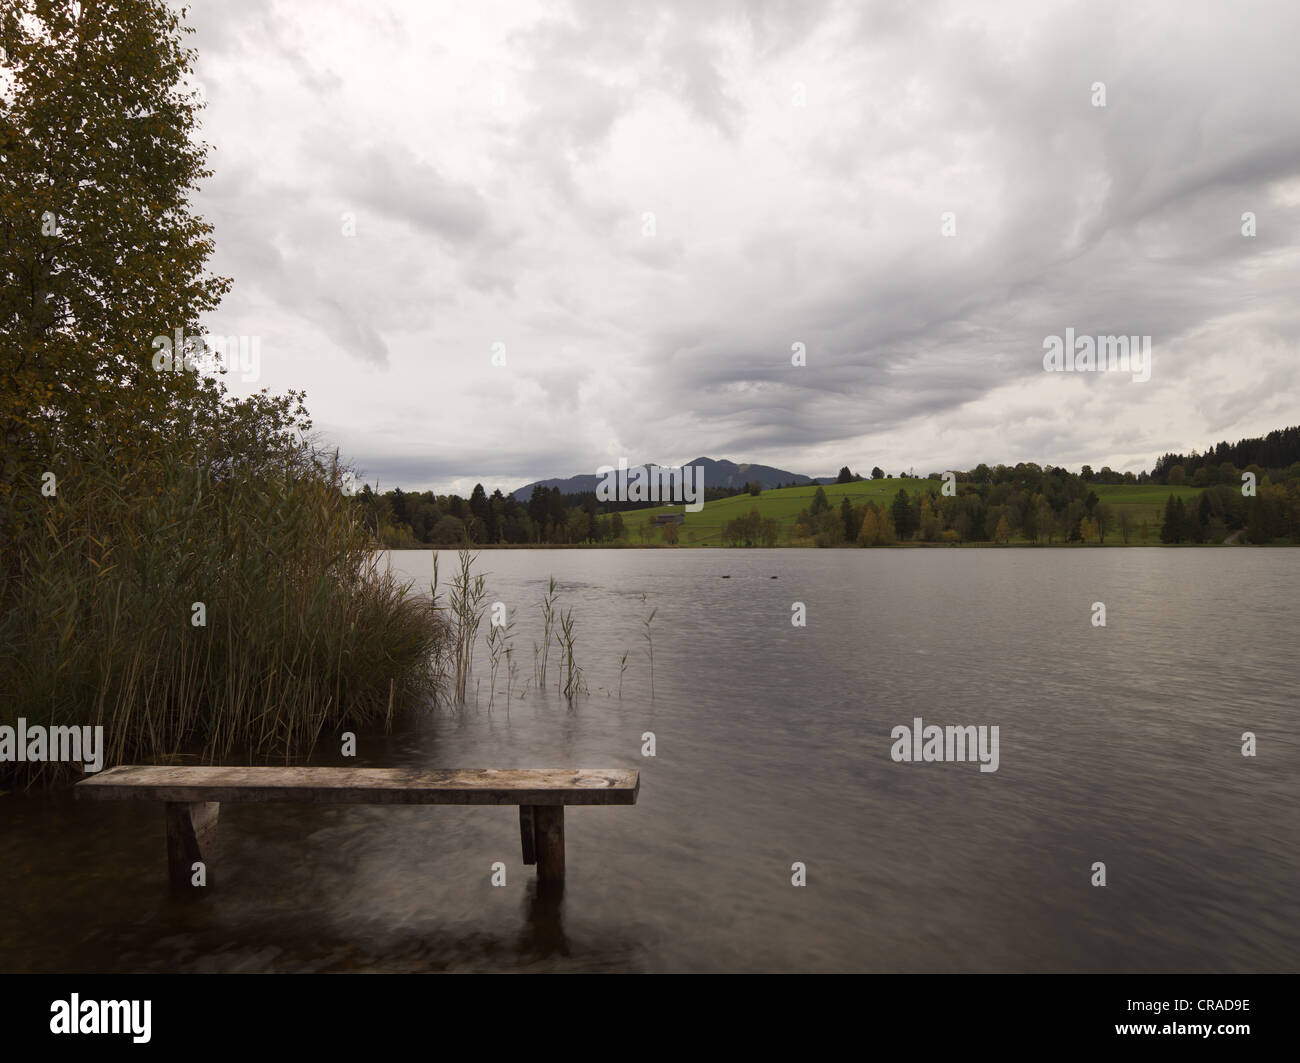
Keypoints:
(1143, 502)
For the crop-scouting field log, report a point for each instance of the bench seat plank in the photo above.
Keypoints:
(347, 786)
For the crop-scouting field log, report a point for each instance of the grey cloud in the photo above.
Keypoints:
(1116, 220)
(393, 182)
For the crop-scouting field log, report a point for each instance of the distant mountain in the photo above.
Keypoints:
(716, 474)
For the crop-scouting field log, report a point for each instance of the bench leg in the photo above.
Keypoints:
(548, 837)
(191, 834)
(527, 833)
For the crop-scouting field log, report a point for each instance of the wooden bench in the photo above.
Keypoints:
(193, 798)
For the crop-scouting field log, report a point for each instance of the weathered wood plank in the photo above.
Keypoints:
(549, 834)
(398, 786)
(527, 832)
(191, 836)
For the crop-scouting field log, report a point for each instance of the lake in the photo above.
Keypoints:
(1119, 744)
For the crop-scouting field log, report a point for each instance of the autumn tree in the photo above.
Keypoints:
(877, 527)
(929, 527)
(870, 528)
(164, 492)
(100, 251)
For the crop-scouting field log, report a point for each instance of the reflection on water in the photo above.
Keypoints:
(1119, 745)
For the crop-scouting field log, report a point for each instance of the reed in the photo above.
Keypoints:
(499, 641)
(201, 598)
(541, 655)
(648, 634)
(465, 602)
(572, 682)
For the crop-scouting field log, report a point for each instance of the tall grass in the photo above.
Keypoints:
(500, 637)
(541, 654)
(572, 681)
(465, 609)
(648, 635)
(303, 634)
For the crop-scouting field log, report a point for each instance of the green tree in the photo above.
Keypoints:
(877, 473)
(830, 529)
(847, 518)
(578, 525)
(1172, 528)
(539, 503)
(820, 503)
(901, 511)
(1124, 521)
(1104, 519)
(1075, 512)
(845, 476)
(100, 252)
(397, 501)
(481, 508)
(1044, 519)
(449, 531)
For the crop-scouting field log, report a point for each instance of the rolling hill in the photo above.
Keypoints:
(716, 474)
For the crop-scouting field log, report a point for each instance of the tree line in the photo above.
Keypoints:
(996, 503)
(986, 504)
(1046, 505)
(1273, 513)
(1277, 454)
(401, 519)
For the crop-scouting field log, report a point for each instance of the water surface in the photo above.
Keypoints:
(1119, 744)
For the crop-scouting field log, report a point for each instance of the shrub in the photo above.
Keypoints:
(302, 633)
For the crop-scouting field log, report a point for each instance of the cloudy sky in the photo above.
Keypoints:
(641, 209)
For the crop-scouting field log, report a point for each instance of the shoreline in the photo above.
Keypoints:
(453, 548)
